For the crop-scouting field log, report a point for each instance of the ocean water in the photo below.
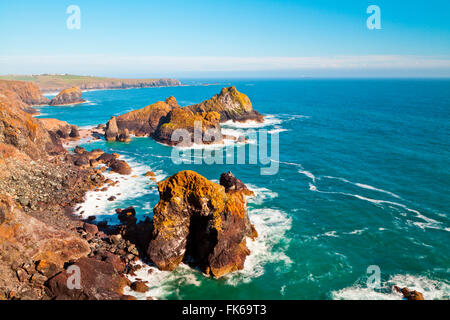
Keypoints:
(363, 180)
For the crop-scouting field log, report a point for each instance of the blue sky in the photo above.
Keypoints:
(318, 38)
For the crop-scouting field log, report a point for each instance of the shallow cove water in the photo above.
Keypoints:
(363, 180)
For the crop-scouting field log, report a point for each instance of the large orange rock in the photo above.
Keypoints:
(194, 124)
(143, 122)
(197, 218)
(68, 96)
(231, 105)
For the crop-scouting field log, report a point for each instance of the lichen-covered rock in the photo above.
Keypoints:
(143, 122)
(231, 105)
(68, 96)
(196, 218)
(200, 128)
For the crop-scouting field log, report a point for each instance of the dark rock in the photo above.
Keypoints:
(120, 166)
(139, 286)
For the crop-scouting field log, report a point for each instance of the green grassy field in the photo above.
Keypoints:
(57, 82)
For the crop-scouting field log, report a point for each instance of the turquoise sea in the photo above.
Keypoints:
(363, 181)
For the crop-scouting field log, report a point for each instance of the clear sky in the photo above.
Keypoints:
(245, 38)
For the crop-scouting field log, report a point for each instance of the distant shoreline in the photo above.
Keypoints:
(49, 83)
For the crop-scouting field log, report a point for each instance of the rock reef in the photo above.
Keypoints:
(196, 220)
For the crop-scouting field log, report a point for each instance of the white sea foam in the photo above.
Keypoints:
(431, 289)
(277, 130)
(164, 283)
(261, 194)
(269, 120)
(129, 187)
(364, 186)
(308, 174)
(269, 247)
(429, 222)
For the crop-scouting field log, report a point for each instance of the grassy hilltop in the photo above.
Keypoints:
(58, 82)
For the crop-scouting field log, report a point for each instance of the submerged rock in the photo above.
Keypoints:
(68, 96)
(196, 218)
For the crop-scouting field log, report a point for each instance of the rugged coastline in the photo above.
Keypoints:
(41, 237)
(48, 83)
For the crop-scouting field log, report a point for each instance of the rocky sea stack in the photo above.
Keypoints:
(198, 221)
(161, 119)
(68, 96)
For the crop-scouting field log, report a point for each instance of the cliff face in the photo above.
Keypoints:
(21, 94)
(197, 218)
(92, 83)
(23, 133)
(231, 105)
(67, 96)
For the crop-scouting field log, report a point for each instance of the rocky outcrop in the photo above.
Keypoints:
(100, 280)
(231, 105)
(161, 119)
(196, 220)
(23, 235)
(68, 96)
(61, 129)
(22, 94)
(111, 130)
(199, 128)
(20, 131)
(143, 122)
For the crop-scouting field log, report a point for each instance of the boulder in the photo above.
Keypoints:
(196, 218)
(120, 166)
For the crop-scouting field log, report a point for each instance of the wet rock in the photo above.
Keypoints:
(408, 294)
(120, 166)
(139, 286)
